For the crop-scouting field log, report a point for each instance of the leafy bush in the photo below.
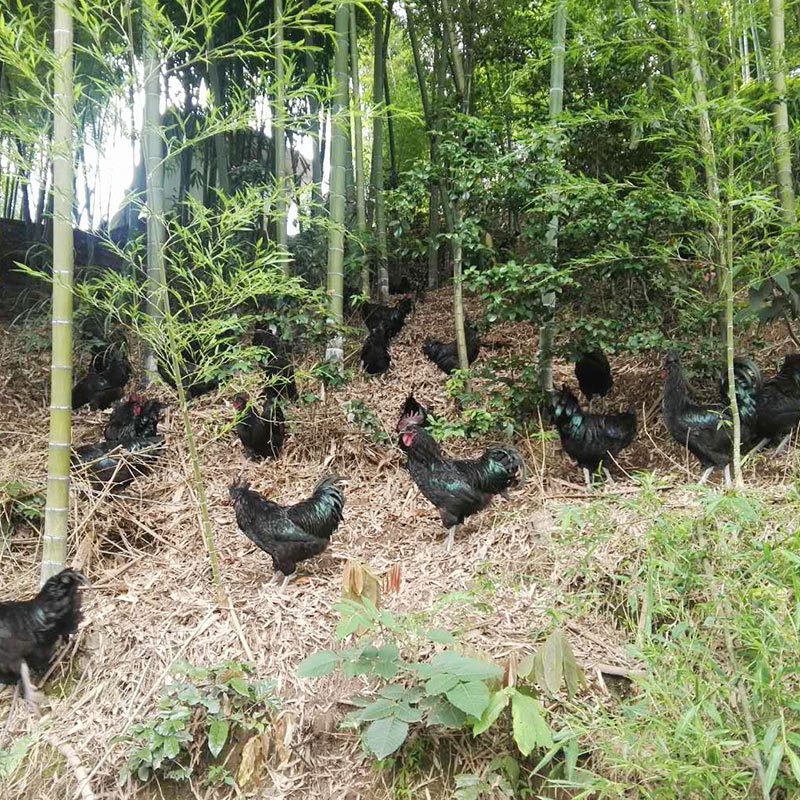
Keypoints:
(199, 717)
(445, 689)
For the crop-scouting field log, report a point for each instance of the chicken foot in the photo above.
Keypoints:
(784, 444)
(706, 475)
(451, 535)
(32, 696)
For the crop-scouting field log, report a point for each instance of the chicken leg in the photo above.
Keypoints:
(783, 445)
(588, 478)
(706, 475)
(727, 476)
(451, 535)
(32, 696)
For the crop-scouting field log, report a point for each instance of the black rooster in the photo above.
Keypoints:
(375, 356)
(31, 629)
(458, 488)
(413, 413)
(707, 431)
(594, 375)
(778, 405)
(101, 389)
(289, 534)
(134, 418)
(591, 440)
(277, 362)
(119, 464)
(262, 435)
(445, 356)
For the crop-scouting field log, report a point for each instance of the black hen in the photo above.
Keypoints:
(133, 419)
(289, 534)
(458, 488)
(778, 404)
(594, 374)
(591, 440)
(101, 389)
(277, 363)
(707, 431)
(445, 356)
(413, 413)
(31, 629)
(262, 435)
(119, 464)
(375, 356)
(390, 318)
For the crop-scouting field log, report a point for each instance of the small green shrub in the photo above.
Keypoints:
(198, 718)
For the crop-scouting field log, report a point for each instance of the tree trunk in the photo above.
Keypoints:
(547, 330)
(336, 233)
(56, 521)
(154, 170)
(451, 42)
(377, 161)
(358, 151)
(780, 115)
(279, 136)
(220, 145)
(388, 100)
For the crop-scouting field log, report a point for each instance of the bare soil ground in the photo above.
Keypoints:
(152, 601)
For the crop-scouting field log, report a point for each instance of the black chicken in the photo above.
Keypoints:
(458, 488)
(101, 389)
(119, 464)
(31, 629)
(591, 440)
(707, 431)
(262, 435)
(277, 363)
(445, 356)
(593, 373)
(134, 418)
(375, 356)
(778, 405)
(289, 534)
(390, 318)
(413, 413)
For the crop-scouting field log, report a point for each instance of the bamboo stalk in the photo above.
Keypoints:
(56, 523)
(358, 150)
(279, 136)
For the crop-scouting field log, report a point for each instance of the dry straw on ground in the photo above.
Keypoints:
(152, 600)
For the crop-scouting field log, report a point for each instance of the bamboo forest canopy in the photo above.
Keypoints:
(435, 128)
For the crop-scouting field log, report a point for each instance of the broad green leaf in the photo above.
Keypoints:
(525, 667)
(217, 736)
(440, 636)
(794, 763)
(465, 667)
(771, 772)
(497, 703)
(407, 713)
(573, 674)
(384, 736)
(170, 747)
(439, 684)
(318, 664)
(447, 715)
(377, 710)
(471, 697)
(530, 728)
(553, 661)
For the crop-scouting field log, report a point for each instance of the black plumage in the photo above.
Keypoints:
(289, 534)
(261, 434)
(375, 356)
(593, 373)
(706, 431)
(277, 361)
(101, 389)
(413, 413)
(136, 417)
(445, 355)
(778, 403)
(591, 440)
(119, 464)
(31, 629)
(458, 487)
(390, 318)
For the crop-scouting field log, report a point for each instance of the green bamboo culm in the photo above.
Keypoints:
(279, 135)
(376, 171)
(780, 115)
(336, 232)
(56, 520)
(358, 150)
(547, 330)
